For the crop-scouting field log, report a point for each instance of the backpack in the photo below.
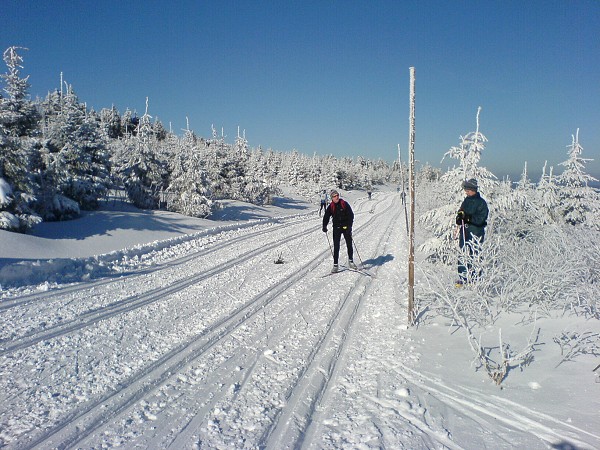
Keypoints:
(342, 205)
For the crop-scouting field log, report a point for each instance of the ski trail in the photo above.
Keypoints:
(80, 424)
(206, 241)
(291, 427)
(130, 303)
(467, 401)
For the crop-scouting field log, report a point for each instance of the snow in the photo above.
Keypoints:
(5, 192)
(136, 329)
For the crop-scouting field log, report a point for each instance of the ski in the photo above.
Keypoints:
(357, 270)
(345, 268)
(361, 271)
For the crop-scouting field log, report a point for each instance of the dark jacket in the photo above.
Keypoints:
(342, 214)
(476, 214)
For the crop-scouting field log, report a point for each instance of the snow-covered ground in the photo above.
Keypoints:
(153, 330)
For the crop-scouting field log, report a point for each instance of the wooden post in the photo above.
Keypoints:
(411, 234)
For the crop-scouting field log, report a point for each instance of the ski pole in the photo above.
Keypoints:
(467, 259)
(356, 248)
(329, 242)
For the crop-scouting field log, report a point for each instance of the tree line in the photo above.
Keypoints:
(59, 157)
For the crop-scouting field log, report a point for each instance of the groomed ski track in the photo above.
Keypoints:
(104, 305)
(218, 347)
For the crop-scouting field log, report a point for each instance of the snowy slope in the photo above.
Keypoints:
(201, 341)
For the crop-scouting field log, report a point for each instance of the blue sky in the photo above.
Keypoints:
(333, 76)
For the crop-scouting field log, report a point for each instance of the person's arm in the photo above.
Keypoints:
(326, 217)
(479, 219)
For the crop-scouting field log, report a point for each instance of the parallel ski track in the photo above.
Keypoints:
(313, 381)
(131, 303)
(48, 295)
(479, 409)
(84, 421)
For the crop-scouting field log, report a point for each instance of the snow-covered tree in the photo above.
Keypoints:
(110, 123)
(18, 145)
(188, 191)
(547, 195)
(241, 143)
(76, 163)
(468, 154)
(577, 198)
(138, 166)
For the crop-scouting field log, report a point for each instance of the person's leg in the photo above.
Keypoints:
(475, 269)
(337, 236)
(348, 239)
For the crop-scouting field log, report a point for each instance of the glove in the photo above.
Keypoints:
(324, 229)
(460, 217)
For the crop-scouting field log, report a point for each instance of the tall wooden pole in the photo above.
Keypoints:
(411, 234)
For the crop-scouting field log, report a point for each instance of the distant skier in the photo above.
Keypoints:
(324, 199)
(369, 193)
(343, 218)
(471, 220)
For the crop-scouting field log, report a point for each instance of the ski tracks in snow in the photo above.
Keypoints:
(70, 398)
(216, 347)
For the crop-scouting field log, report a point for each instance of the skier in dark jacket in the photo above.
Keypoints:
(471, 220)
(343, 218)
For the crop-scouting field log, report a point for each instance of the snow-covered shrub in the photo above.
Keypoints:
(9, 221)
(6, 195)
(63, 208)
(258, 193)
(574, 343)
(191, 204)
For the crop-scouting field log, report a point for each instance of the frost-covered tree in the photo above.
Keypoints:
(241, 143)
(137, 165)
(577, 198)
(524, 182)
(18, 146)
(468, 154)
(188, 191)
(547, 195)
(76, 162)
(110, 123)
(159, 130)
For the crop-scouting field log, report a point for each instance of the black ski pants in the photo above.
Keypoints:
(323, 206)
(337, 237)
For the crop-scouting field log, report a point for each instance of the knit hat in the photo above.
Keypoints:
(470, 184)
(334, 193)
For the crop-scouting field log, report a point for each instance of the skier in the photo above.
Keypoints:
(323, 202)
(471, 220)
(343, 218)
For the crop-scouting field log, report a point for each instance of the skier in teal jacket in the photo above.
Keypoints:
(471, 220)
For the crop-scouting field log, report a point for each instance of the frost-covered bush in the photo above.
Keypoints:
(63, 208)
(9, 221)
(191, 204)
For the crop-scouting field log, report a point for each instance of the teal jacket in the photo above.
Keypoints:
(476, 214)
